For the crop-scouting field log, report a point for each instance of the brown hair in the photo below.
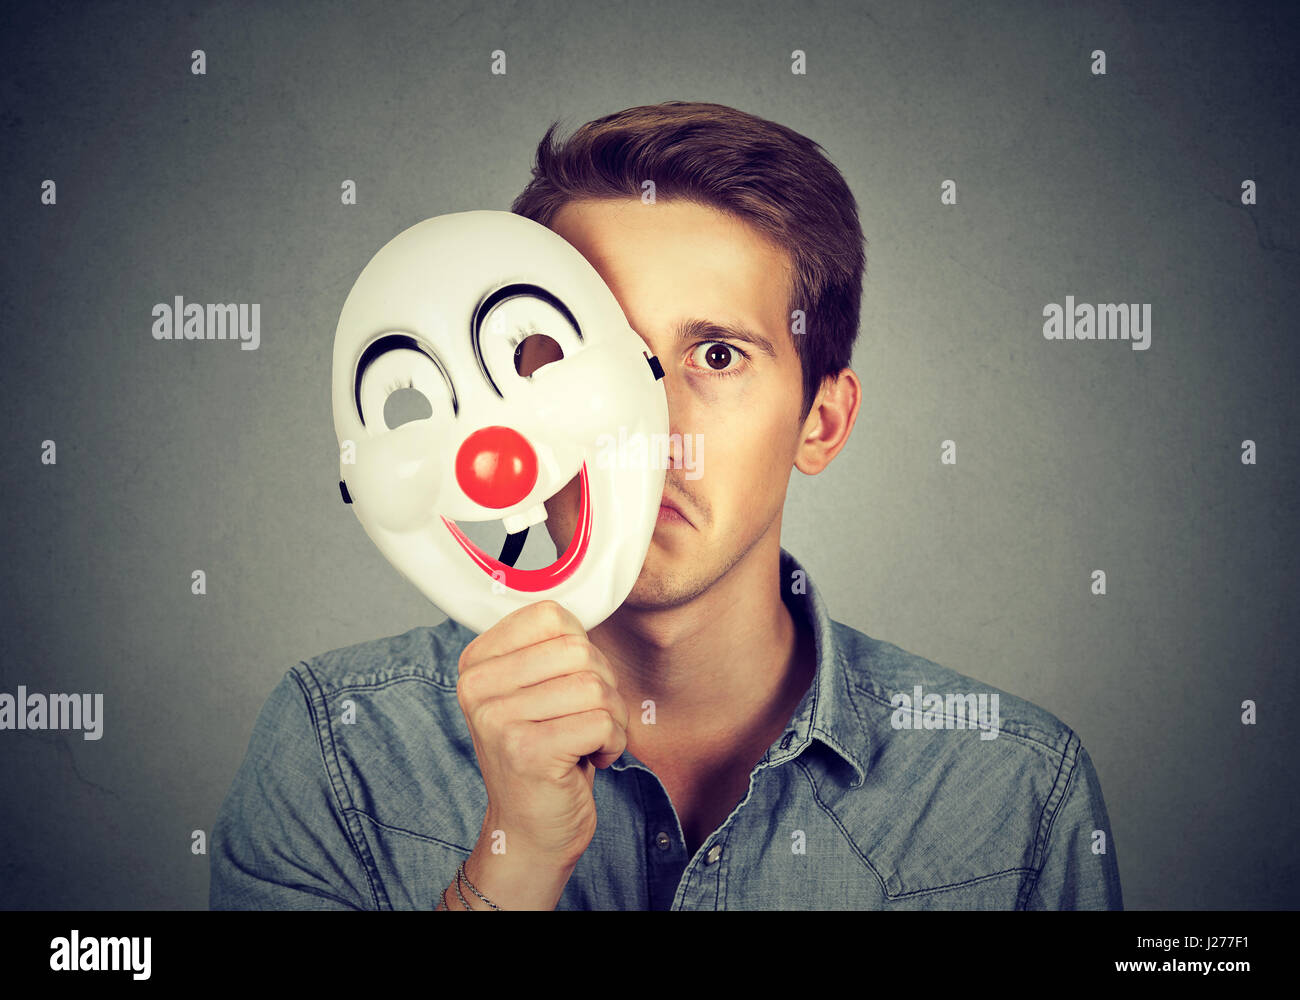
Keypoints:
(770, 176)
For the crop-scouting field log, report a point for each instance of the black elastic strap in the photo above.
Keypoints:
(514, 544)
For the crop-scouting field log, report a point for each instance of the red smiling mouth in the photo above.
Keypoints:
(533, 581)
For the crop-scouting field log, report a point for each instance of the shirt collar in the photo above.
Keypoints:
(826, 712)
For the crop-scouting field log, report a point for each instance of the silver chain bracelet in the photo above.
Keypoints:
(460, 874)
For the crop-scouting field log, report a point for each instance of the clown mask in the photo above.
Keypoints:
(528, 369)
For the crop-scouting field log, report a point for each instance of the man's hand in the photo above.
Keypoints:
(544, 712)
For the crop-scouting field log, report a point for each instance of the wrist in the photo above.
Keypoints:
(513, 880)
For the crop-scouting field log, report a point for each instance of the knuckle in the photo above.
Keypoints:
(551, 613)
(575, 648)
(601, 663)
(593, 687)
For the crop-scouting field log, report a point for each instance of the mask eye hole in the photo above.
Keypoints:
(404, 405)
(518, 334)
(534, 351)
(402, 384)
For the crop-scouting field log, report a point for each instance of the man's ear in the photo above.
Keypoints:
(829, 422)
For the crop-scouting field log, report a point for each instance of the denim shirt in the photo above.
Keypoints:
(361, 790)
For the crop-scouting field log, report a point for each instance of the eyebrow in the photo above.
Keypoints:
(703, 329)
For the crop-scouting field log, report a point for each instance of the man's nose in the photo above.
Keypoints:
(496, 467)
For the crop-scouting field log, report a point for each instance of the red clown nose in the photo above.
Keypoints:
(496, 467)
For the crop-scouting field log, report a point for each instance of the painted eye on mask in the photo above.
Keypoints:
(400, 383)
(521, 335)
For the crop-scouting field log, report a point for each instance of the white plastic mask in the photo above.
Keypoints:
(442, 308)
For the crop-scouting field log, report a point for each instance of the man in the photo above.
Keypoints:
(719, 742)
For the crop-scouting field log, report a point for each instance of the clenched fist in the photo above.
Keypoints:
(543, 712)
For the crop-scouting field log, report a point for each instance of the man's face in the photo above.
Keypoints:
(708, 294)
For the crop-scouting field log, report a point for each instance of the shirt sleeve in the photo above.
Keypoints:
(1079, 869)
(281, 840)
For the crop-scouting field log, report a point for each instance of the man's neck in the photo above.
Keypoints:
(724, 671)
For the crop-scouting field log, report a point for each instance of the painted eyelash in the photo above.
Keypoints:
(729, 346)
(525, 332)
(397, 384)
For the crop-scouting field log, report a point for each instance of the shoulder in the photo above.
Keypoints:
(888, 676)
(384, 689)
(386, 725)
(370, 692)
(422, 655)
(964, 782)
(350, 744)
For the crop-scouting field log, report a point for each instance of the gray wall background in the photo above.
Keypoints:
(1071, 456)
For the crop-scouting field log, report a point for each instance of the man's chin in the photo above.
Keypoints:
(652, 597)
(661, 585)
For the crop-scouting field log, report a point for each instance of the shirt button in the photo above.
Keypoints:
(715, 852)
(663, 841)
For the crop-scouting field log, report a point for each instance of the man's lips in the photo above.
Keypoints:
(533, 581)
(669, 505)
